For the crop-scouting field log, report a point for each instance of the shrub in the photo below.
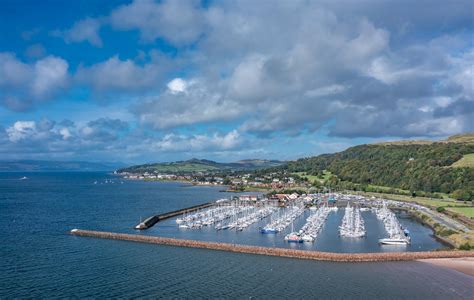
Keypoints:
(446, 232)
(465, 246)
(440, 209)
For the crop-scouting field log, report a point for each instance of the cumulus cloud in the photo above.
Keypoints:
(104, 130)
(179, 22)
(200, 103)
(83, 30)
(21, 130)
(122, 75)
(183, 143)
(107, 138)
(177, 85)
(24, 85)
(362, 69)
(323, 71)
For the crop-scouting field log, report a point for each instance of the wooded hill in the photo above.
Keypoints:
(413, 165)
(201, 166)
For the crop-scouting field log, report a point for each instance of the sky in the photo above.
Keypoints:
(152, 81)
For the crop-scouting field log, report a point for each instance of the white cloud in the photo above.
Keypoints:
(179, 22)
(183, 143)
(201, 103)
(50, 74)
(24, 85)
(21, 130)
(83, 30)
(117, 74)
(177, 85)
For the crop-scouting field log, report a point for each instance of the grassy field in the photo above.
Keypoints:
(466, 161)
(464, 211)
(313, 178)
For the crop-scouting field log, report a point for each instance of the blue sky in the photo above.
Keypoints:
(143, 80)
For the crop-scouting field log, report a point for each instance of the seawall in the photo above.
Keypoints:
(151, 221)
(302, 254)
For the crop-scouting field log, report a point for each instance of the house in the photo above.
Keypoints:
(282, 197)
(248, 198)
(293, 196)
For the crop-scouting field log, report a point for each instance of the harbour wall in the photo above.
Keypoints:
(302, 254)
(151, 221)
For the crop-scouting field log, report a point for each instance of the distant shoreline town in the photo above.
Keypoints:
(235, 182)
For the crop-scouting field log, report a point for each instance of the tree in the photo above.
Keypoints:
(462, 195)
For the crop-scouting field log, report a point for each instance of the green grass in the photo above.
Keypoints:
(466, 161)
(464, 211)
(313, 178)
(387, 188)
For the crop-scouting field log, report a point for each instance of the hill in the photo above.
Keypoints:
(201, 165)
(467, 138)
(429, 167)
(42, 165)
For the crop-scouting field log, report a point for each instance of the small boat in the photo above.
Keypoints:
(184, 226)
(267, 230)
(24, 178)
(394, 241)
(140, 226)
(294, 238)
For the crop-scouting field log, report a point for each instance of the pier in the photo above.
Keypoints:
(281, 252)
(151, 221)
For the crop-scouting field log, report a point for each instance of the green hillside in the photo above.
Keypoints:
(413, 166)
(201, 165)
(466, 161)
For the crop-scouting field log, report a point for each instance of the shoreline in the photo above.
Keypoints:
(464, 265)
(281, 252)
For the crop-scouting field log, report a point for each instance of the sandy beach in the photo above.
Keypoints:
(463, 264)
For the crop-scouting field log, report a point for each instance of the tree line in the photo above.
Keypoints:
(415, 167)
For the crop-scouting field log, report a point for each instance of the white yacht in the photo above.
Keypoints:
(394, 241)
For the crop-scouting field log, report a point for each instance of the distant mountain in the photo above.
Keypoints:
(43, 165)
(202, 165)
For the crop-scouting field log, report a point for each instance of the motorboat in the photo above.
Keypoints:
(394, 241)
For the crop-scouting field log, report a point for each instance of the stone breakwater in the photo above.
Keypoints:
(302, 254)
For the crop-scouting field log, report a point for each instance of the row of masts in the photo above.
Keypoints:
(352, 223)
(396, 233)
(284, 219)
(237, 216)
(312, 227)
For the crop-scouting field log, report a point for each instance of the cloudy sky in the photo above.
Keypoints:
(143, 80)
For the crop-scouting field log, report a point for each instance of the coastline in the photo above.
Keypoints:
(461, 264)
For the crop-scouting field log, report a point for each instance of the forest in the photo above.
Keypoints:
(413, 167)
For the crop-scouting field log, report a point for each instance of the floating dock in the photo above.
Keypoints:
(282, 252)
(151, 221)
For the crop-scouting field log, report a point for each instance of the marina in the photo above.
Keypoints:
(42, 261)
(339, 228)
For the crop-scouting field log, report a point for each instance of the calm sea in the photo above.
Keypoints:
(39, 259)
